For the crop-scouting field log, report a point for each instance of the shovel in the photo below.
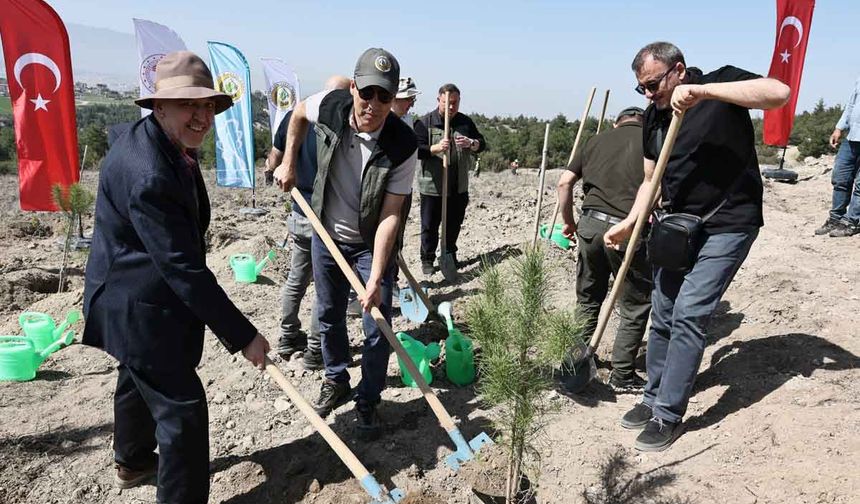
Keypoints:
(465, 450)
(581, 368)
(377, 493)
(446, 261)
(415, 305)
(575, 145)
(541, 180)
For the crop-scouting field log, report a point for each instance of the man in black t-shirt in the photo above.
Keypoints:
(610, 166)
(713, 169)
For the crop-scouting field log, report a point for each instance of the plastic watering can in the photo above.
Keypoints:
(420, 354)
(19, 358)
(245, 268)
(39, 327)
(459, 354)
(557, 238)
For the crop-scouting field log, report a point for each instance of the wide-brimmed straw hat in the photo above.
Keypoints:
(183, 75)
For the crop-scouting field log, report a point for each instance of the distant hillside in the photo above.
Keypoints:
(101, 55)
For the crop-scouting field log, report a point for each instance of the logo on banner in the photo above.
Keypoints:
(147, 71)
(231, 84)
(282, 95)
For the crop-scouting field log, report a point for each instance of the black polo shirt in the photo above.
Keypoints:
(610, 166)
(714, 148)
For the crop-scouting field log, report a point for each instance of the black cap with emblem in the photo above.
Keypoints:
(377, 67)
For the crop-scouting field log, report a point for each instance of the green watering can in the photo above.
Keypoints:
(39, 327)
(421, 355)
(19, 358)
(245, 267)
(557, 238)
(459, 354)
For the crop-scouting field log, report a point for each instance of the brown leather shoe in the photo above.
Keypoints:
(126, 478)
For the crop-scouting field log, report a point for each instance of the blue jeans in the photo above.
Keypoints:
(681, 306)
(846, 183)
(293, 290)
(332, 289)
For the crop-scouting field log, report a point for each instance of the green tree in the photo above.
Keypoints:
(94, 136)
(74, 201)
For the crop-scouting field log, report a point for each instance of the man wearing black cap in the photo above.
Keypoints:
(610, 167)
(365, 164)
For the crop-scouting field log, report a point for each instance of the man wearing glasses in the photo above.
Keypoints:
(365, 164)
(713, 173)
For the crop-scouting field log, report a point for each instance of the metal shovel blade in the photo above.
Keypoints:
(448, 267)
(578, 369)
(411, 305)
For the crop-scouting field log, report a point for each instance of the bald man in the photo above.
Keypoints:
(293, 339)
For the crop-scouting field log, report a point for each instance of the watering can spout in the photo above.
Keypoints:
(265, 260)
(71, 318)
(53, 347)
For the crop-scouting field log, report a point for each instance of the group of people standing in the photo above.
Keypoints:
(353, 153)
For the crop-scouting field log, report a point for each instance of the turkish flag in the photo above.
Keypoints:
(793, 21)
(39, 73)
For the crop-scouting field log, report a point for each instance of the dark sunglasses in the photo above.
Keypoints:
(654, 85)
(369, 92)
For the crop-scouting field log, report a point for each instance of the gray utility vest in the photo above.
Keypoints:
(396, 143)
(460, 163)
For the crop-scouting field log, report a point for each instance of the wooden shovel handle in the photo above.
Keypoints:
(414, 283)
(444, 418)
(573, 150)
(541, 180)
(444, 247)
(641, 219)
(343, 452)
(603, 112)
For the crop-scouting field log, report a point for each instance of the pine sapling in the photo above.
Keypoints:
(74, 201)
(521, 342)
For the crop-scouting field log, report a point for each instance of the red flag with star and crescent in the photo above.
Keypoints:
(793, 21)
(39, 74)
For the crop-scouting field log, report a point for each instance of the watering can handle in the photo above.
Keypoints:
(232, 261)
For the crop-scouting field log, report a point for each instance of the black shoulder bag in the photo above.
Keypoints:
(675, 238)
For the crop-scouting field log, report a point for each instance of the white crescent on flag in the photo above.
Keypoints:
(792, 21)
(37, 59)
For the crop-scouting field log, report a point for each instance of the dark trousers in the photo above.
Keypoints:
(595, 265)
(168, 410)
(682, 306)
(332, 289)
(431, 218)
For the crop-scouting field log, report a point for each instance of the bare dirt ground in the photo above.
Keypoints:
(774, 416)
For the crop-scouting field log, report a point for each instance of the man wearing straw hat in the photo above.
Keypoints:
(148, 292)
(366, 162)
(432, 144)
(610, 166)
(712, 175)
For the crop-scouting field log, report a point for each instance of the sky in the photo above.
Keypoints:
(536, 58)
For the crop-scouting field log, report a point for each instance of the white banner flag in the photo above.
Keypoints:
(153, 42)
(282, 90)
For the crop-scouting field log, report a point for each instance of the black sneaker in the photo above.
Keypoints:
(427, 267)
(637, 417)
(622, 384)
(844, 229)
(658, 435)
(332, 396)
(829, 225)
(289, 345)
(313, 360)
(369, 426)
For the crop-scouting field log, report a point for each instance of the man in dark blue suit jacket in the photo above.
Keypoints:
(148, 291)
